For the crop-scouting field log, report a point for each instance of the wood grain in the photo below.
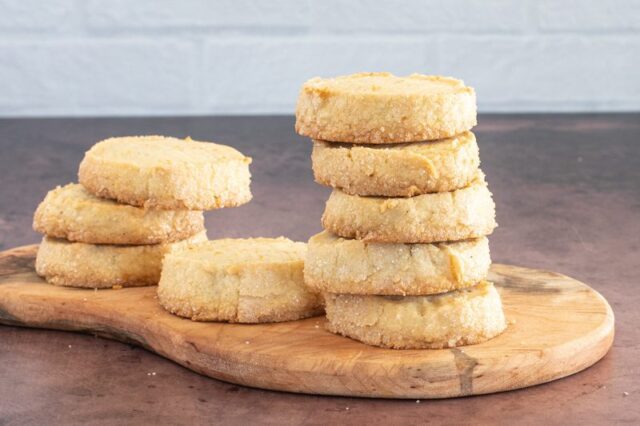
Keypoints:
(558, 326)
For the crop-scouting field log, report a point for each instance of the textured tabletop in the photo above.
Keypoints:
(567, 189)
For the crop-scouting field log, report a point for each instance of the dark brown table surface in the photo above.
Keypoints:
(567, 189)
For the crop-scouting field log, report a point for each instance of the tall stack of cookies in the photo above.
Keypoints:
(404, 256)
(138, 198)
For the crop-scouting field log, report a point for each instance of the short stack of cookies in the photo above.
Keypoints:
(404, 256)
(138, 198)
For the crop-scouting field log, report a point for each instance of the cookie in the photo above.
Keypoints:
(72, 213)
(238, 280)
(399, 170)
(444, 216)
(338, 265)
(166, 173)
(462, 317)
(71, 264)
(382, 108)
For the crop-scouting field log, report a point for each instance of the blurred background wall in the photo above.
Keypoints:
(146, 57)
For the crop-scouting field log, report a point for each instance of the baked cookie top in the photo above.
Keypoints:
(167, 173)
(372, 108)
(228, 252)
(152, 151)
(253, 280)
(385, 83)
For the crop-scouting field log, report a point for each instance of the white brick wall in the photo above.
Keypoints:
(189, 15)
(151, 57)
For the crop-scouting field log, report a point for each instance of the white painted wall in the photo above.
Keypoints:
(146, 57)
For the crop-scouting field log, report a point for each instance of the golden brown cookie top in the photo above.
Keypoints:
(148, 151)
(385, 83)
(250, 251)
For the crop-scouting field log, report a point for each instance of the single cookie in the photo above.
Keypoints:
(167, 173)
(238, 280)
(442, 216)
(462, 317)
(383, 108)
(399, 170)
(65, 263)
(72, 213)
(337, 265)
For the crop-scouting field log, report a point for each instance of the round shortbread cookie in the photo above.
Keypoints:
(238, 280)
(383, 108)
(344, 266)
(443, 216)
(72, 213)
(167, 173)
(399, 170)
(65, 263)
(462, 317)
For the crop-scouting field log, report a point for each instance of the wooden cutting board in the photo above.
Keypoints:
(558, 326)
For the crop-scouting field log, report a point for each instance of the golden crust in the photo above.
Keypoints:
(238, 280)
(462, 317)
(345, 266)
(166, 173)
(72, 213)
(382, 108)
(65, 263)
(399, 170)
(446, 216)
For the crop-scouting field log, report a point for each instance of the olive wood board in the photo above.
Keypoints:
(557, 327)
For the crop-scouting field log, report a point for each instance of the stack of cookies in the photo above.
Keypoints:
(404, 256)
(138, 198)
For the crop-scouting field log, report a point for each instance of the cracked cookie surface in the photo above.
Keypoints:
(252, 280)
